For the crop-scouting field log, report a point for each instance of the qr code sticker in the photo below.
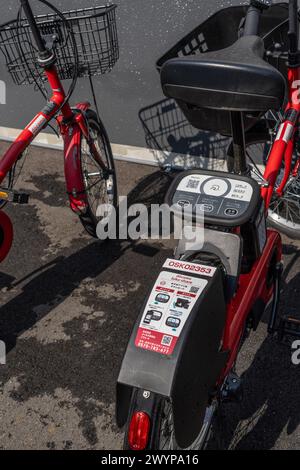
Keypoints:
(192, 184)
(194, 289)
(166, 340)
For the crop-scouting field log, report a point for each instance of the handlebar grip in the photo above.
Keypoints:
(34, 28)
(252, 21)
(293, 33)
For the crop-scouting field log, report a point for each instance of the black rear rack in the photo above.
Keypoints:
(223, 28)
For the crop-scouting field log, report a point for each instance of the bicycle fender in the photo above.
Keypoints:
(74, 178)
(175, 347)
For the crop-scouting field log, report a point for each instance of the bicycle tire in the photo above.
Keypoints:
(89, 218)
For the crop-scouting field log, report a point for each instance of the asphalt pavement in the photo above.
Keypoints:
(68, 304)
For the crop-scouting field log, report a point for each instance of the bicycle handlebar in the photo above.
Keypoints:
(34, 28)
(293, 33)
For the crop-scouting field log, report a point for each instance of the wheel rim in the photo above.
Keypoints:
(284, 210)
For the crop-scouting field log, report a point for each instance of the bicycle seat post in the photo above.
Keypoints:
(238, 138)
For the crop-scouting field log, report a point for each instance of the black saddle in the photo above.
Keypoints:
(232, 79)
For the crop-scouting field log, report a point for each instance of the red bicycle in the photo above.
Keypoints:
(51, 48)
(179, 366)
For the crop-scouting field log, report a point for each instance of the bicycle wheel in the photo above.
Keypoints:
(284, 211)
(163, 435)
(100, 185)
(166, 437)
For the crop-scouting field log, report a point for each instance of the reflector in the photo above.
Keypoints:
(138, 433)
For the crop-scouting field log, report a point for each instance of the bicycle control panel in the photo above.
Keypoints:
(220, 197)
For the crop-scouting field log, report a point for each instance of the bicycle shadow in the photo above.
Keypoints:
(270, 369)
(271, 405)
(52, 283)
(173, 141)
(103, 319)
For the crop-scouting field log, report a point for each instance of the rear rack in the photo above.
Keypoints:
(223, 28)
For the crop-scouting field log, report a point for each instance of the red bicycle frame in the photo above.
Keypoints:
(72, 127)
(253, 285)
(285, 140)
(257, 285)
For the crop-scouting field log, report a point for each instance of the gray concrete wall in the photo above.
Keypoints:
(147, 28)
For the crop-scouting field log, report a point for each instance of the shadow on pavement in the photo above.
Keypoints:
(271, 404)
(168, 131)
(52, 283)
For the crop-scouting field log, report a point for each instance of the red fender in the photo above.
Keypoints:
(6, 235)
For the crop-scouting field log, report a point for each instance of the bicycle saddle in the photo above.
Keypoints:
(233, 79)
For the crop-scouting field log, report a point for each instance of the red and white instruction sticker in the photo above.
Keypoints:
(168, 308)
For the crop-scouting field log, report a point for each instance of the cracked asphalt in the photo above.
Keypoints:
(68, 304)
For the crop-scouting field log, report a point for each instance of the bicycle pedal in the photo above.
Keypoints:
(288, 326)
(233, 389)
(20, 198)
(15, 197)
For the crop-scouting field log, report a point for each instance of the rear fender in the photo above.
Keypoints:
(186, 371)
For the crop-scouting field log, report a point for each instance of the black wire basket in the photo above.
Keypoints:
(95, 33)
(220, 31)
(223, 28)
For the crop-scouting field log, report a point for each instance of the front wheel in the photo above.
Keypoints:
(100, 185)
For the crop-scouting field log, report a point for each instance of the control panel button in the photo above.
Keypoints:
(231, 212)
(216, 187)
(206, 207)
(183, 203)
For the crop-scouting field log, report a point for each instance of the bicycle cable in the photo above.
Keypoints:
(19, 26)
(76, 62)
(94, 96)
(40, 87)
(75, 51)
